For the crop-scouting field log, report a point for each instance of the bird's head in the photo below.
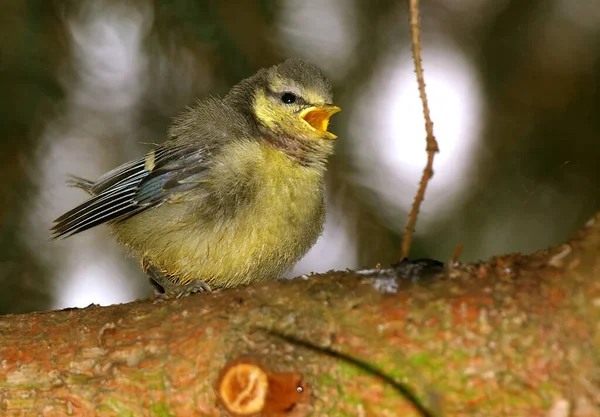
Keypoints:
(292, 103)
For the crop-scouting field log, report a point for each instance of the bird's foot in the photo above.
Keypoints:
(192, 287)
(166, 287)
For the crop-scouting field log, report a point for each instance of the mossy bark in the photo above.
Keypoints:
(515, 336)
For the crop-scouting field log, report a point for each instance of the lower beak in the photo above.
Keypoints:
(318, 118)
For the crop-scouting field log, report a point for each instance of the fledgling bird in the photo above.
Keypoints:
(235, 193)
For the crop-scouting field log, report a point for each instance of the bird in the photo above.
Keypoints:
(233, 196)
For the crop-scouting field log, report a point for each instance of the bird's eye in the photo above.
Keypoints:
(288, 98)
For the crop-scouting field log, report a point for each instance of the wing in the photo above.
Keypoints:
(135, 186)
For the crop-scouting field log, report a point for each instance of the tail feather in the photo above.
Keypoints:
(78, 182)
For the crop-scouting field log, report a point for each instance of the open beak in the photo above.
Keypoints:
(318, 118)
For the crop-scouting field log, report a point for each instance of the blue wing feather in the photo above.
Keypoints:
(132, 188)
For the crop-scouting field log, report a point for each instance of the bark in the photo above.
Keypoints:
(515, 336)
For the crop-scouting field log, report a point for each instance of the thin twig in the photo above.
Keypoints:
(432, 146)
(456, 255)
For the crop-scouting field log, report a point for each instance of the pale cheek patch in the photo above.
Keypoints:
(264, 112)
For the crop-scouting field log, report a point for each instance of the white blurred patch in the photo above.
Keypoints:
(107, 51)
(335, 249)
(104, 86)
(94, 278)
(388, 132)
(323, 32)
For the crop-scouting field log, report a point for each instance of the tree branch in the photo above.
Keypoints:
(514, 335)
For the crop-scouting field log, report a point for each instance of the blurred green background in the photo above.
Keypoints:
(86, 85)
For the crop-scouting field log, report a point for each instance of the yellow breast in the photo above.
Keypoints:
(251, 221)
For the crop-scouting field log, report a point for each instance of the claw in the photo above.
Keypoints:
(167, 287)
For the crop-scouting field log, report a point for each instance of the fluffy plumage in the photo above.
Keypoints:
(235, 194)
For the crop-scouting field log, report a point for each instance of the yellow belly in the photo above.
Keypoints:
(253, 240)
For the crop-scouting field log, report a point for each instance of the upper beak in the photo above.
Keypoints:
(318, 118)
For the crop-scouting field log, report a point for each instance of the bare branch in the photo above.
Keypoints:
(432, 146)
